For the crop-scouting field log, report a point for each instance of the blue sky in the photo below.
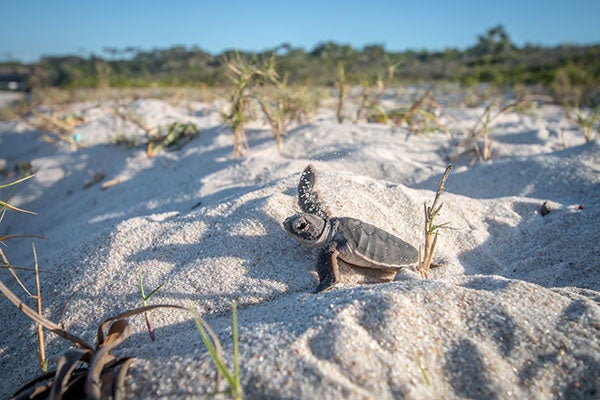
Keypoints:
(30, 29)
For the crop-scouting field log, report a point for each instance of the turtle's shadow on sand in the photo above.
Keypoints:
(111, 160)
(259, 254)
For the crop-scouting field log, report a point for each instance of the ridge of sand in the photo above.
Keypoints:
(515, 312)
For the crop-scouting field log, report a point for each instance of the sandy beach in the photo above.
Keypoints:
(514, 312)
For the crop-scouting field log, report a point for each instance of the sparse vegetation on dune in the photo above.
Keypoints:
(482, 122)
(568, 71)
(278, 84)
(93, 371)
(588, 120)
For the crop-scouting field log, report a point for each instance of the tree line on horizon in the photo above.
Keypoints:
(494, 59)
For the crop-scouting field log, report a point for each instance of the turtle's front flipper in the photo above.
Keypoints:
(327, 267)
(308, 197)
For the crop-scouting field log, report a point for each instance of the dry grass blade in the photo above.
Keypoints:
(64, 308)
(7, 237)
(231, 66)
(214, 347)
(24, 391)
(5, 204)
(13, 273)
(18, 181)
(105, 374)
(100, 337)
(40, 331)
(46, 323)
(8, 266)
(14, 208)
(55, 126)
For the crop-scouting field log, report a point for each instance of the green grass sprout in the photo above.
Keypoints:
(144, 302)
(213, 346)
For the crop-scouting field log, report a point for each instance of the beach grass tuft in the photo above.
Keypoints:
(431, 230)
(86, 371)
(342, 87)
(243, 74)
(587, 120)
(213, 346)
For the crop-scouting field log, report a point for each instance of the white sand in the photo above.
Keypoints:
(513, 313)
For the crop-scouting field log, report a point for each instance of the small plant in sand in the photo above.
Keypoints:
(93, 372)
(370, 100)
(481, 128)
(145, 299)
(103, 72)
(281, 106)
(431, 230)
(370, 103)
(421, 117)
(243, 75)
(563, 89)
(342, 87)
(174, 136)
(214, 349)
(588, 121)
(104, 375)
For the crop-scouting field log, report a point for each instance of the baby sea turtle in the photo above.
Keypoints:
(355, 242)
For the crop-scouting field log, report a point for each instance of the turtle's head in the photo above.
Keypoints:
(309, 229)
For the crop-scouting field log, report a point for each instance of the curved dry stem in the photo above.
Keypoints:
(46, 323)
(100, 337)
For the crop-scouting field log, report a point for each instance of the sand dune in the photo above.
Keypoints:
(514, 311)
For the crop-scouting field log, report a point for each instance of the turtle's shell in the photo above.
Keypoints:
(366, 245)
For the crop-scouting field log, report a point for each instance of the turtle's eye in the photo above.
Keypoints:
(302, 225)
